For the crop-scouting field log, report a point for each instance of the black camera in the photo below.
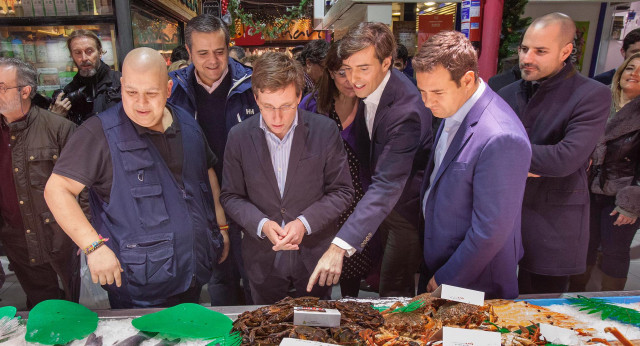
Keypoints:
(81, 103)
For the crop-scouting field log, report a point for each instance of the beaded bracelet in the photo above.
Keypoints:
(224, 227)
(96, 244)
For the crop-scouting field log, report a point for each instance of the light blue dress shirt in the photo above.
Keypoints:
(280, 150)
(451, 126)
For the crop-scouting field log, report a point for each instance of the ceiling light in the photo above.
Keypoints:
(430, 3)
(430, 9)
(395, 13)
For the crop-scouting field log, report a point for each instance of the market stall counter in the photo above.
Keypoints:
(606, 318)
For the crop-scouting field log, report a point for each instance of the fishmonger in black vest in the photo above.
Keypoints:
(152, 188)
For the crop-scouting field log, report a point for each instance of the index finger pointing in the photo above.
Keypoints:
(312, 280)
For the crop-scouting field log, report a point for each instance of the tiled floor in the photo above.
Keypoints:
(11, 293)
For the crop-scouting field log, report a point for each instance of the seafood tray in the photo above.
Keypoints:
(364, 325)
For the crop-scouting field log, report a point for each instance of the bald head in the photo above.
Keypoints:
(546, 46)
(565, 28)
(145, 60)
(145, 88)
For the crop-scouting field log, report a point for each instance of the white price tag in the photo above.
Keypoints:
(458, 294)
(298, 342)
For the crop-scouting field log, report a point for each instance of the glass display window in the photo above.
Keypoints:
(153, 30)
(46, 48)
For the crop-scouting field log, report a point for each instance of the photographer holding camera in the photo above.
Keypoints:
(94, 88)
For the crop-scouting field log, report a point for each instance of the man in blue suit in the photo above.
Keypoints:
(393, 138)
(472, 190)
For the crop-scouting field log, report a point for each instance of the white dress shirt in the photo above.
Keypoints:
(280, 150)
(371, 103)
(215, 85)
(451, 126)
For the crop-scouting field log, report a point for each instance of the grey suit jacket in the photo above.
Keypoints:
(318, 186)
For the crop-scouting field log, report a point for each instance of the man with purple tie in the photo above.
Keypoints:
(472, 190)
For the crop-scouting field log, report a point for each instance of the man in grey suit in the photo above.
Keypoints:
(286, 182)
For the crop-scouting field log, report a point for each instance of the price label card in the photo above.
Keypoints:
(558, 335)
(298, 342)
(466, 337)
(458, 294)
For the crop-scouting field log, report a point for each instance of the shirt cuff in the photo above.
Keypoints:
(262, 222)
(344, 246)
(305, 223)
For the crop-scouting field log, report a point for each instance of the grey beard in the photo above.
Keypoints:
(88, 73)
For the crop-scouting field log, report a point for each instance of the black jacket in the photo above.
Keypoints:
(102, 90)
(616, 160)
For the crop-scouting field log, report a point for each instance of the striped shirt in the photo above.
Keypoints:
(280, 150)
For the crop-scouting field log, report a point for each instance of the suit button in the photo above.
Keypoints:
(31, 158)
(55, 157)
(46, 220)
(33, 260)
(16, 169)
(13, 137)
(28, 231)
(282, 211)
(21, 202)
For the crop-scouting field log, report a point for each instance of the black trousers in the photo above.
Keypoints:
(40, 282)
(401, 257)
(532, 283)
(614, 241)
(288, 270)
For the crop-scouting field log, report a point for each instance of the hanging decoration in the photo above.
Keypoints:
(269, 28)
(224, 4)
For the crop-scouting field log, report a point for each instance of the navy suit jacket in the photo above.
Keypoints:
(395, 156)
(472, 217)
(318, 186)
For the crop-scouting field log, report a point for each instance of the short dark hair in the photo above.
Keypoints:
(239, 51)
(274, 71)
(85, 33)
(179, 53)
(314, 51)
(205, 23)
(402, 53)
(449, 49)
(26, 74)
(632, 37)
(368, 34)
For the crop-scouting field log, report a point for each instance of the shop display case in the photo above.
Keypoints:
(36, 31)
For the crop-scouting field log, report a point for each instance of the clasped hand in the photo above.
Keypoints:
(287, 238)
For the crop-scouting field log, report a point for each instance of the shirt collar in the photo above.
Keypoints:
(215, 84)
(461, 113)
(374, 97)
(264, 127)
(172, 129)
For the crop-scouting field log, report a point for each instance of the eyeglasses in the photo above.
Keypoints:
(272, 110)
(4, 88)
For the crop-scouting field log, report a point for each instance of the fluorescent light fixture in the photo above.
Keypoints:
(430, 3)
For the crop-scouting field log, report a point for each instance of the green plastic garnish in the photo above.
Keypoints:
(413, 306)
(233, 339)
(8, 311)
(53, 322)
(607, 310)
(185, 321)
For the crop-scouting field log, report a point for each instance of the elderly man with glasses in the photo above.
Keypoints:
(285, 181)
(31, 139)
